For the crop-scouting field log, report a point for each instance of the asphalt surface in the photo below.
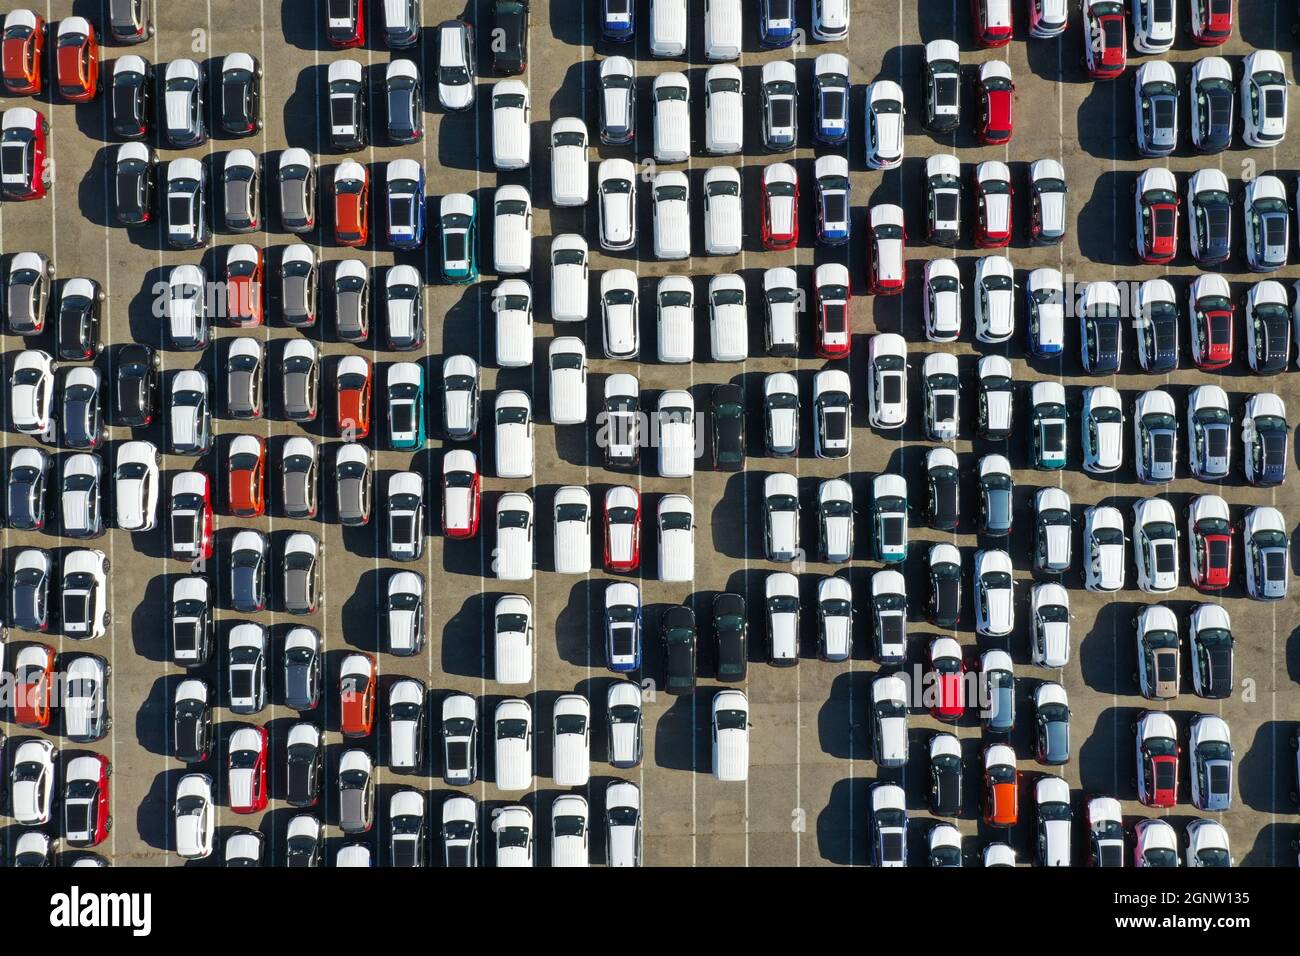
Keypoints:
(805, 801)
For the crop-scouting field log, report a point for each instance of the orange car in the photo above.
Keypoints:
(353, 386)
(33, 679)
(23, 44)
(351, 204)
(357, 695)
(1001, 793)
(246, 467)
(244, 285)
(77, 60)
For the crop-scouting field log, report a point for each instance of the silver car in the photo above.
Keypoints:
(85, 700)
(300, 375)
(299, 477)
(404, 611)
(80, 489)
(297, 178)
(302, 573)
(352, 300)
(353, 480)
(356, 792)
(245, 371)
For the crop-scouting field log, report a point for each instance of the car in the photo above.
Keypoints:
(249, 559)
(995, 402)
(135, 172)
(617, 101)
(1210, 746)
(459, 832)
(889, 518)
(569, 278)
(458, 226)
(1263, 99)
(1210, 644)
(884, 119)
(513, 829)
(31, 394)
(780, 199)
(1263, 440)
(1209, 217)
(727, 407)
(1053, 817)
(513, 437)
(678, 634)
(1213, 103)
(1156, 215)
(1001, 790)
(405, 529)
(1048, 18)
(994, 97)
(1155, 437)
(460, 391)
(622, 536)
(567, 361)
(996, 490)
(29, 590)
(302, 668)
(33, 684)
(136, 485)
(299, 287)
(723, 225)
(616, 186)
(353, 383)
(888, 822)
(1155, 545)
(994, 594)
(76, 60)
(191, 721)
(406, 816)
(188, 326)
(619, 309)
(781, 414)
(1210, 24)
(830, 20)
(356, 793)
(571, 512)
(1268, 328)
(943, 569)
(832, 408)
(352, 204)
(84, 609)
(357, 680)
(944, 841)
(1103, 548)
(621, 429)
(993, 195)
(191, 517)
(246, 769)
(670, 98)
(1105, 832)
(1157, 754)
(245, 848)
(27, 489)
(623, 724)
(943, 201)
(1101, 333)
(943, 487)
(1045, 313)
(345, 23)
(80, 496)
(26, 169)
(941, 86)
(244, 277)
(460, 498)
(830, 98)
(80, 416)
(347, 92)
(672, 218)
(1104, 38)
(731, 636)
(1266, 550)
(1211, 321)
(402, 23)
(184, 124)
(191, 617)
(730, 732)
(510, 28)
(889, 703)
(779, 104)
(241, 94)
(303, 568)
(940, 390)
(27, 293)
(1050, 644)
(887, 358)
(513, 736)
(512, 303)
(571, 740)
(1207, 841)
(1048, 201)
(1267, 225)
(246, 476)
(136, 383)
(1052, 724)
(723, 110)
(835, 520)
(886, 269)
(1153, 26)
(945, 773)
(994, 299)
(1052, 530)
(1209, 543)
(194, 817)
(1156, 326)
(23, 42)
(781, 603)
(407, 732)
(942, 302)
(189, 415)
(623, 627)
(946, 679)
(403, 92)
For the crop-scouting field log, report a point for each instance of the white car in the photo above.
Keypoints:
(781, 517)
(512, 230)
(781, 602)
(830, 20)
(1050, 644)
(996, 396)
(1052, 810)
(195, 816)
(460, 397)
(671, 102)
(624, 745)
(512, 731)
(835, 520)
(571, 741)
(672, 215)
(730, 722)
(1105, 832)
(676, 410)
(1207, 844)
(567, 360)
(190, 496)
(943, 199)
(889, 605)
(728, 318)
(1264, 99)
(1267, 554)
(783, 307)
(1154, 26)
(675, 319)
(724, 115)
(515, 544)
(942, 302)
(460, 831)
(889, 703)
(884, 118)
(1053, 527)
(995, 309)
(998, 854)
(32, 782)
(888, 822)
(622, 824)
(1045, 311)
(31, 394)
(616, 184)
(85, 594)
(85, 701)
(570, 832)
(572, 532)
(1102, 425)
(513, 828)
(512, 628)
(939, 377)
(887, 392)
(186, 308)
(1209, 432)
(1103, 548)
(995, 610)
(832, 413)
(619, 309)
(1048, 194)
(723, 217)
(512, 303)
(1155, 545)
(569, 169)
(512, 112)
(781, 414)
(887, 272)
(617, 100)
(136, 482)
(569, 278)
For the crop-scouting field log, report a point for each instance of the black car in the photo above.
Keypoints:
(303, 849)
(347, 111)
(728, 427)
(136, 385)
(945, 782)
(944, 606)
(677, 630)
(1270, 328)
(941, 84)
(1211, 240)
(406, 842)
(1101, 339)
(1159, 335)
(404, 96)
(1218, 99)
(259, 854)
(28, 470)
(305, 761)
(248, 574)
(241, 95)
(79, 322)
(82, 418)
(509, 37)
(192, 727)
(134, 182)
(401, 24)
(943, 509)
(1266, 446)
(132, 101)
(731, 631)
(1211, 649)
(29, 591)
(192, 628)
(943, 209)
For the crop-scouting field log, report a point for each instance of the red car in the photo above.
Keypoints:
(833, 298)
(345, 23)
(993, 202)
(1001, 786)
(460, 494)
(1105, 35)
(24, 173)
(351, 204)
(191, 514)
(87, 808)
(991, 21)
(1210, 544)
(994, 94)
(1211, 325)
(244, 288)
(1211, 22)
(23, 44)
(947, 676)
(780, 207)
(887, 272)
(357, 695)
(353, 384)
(33, 682)
(246, 770)
(1157, 216)
(622, 529)
(246, 476)
(77, 60)
(1157, 759)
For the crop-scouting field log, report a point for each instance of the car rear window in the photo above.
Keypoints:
(892, 531)
(1163, 445)
(945, 407)
(1166, 221)
(185, 636)
(1275, 565)
(1275, 230)
(1113, 31)
(1164, 110)
(623, 641)
(455, 244)
(1274, 103)
(836, 208)
(241, 683)
(1216, 441)
(833, 105)
(1054, 438)
(403, 418)
(1219, 553)
(836, 425)
(782, 113)
(1166, 667)
(891, 846)
(1165, 559)
(892, 388)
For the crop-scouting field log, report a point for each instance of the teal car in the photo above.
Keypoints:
(458, 224)
(405, 406)
(889, 518)
(1047, 426)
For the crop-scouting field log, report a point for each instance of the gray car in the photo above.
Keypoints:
(302, 573)
(29, 590)
(1052, 724)
(302, 669)
(245, 371)
(300, 377)
(404, 611)
(249, 554)
(353, 480)
(356, 792)
(85, 699)
(80, 489)
(27, 293)
(352, 301)
(28, 470)
(299, 283)
(996, 490)
(297, 179)
(299, 476)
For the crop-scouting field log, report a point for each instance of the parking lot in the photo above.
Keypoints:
(805, 802)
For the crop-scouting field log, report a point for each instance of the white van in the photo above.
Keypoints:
(676, 538)
(512, 645)
(569, 179)
(672, 212)
(570, 831)
(722, 29)
(512, 302)
(676, 434)
(513, 433)
(567, 360)
(723, 219)
(571, 741)
(513, 558)
(668, 28)
(511, 118)
(675, 319)
(730, 736)
(724, 111)
(569, 278)
(572, 536)
(512, 235)
(672, 118)
(728, 319)
(512, 730)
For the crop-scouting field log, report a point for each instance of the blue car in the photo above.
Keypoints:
(623, 627)
(1044, 313)
(618, 23)
(831, 99)
(833, 190)
(405, 202)
(776, 23)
